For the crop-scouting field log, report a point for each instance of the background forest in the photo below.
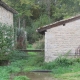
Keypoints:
(36, 13)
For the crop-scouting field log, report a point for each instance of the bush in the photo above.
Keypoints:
(6, 41)
(4, 75)
(36, 61)
(21, 78)
(17, 55)
(49, 66)
(39, 44)
(77, 60)
(59, 62)
(63, 61)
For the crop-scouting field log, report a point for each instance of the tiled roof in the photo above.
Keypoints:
(61, 22)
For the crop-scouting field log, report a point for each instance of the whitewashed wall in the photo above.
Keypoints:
(6, 16)
(61, 39)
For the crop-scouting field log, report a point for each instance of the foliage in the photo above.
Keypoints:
(30, 47)
(31, 68)
(6, 40)
(71, 72)
(4, 75)
(37, 13)
(64, 62)
(21, 39)
(59, 62)
(39, 59)
(65, 9)
(39, 44)
(23, 6)
(60, 69)
(64, 69)
(34, 36)
(17, 55)
(21, 78)
(36, 60)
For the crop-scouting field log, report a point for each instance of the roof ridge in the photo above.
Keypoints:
(8, 7)
(57, 23)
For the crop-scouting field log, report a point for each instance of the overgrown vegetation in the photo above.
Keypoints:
(61, 68)
(6, 41)
(34, 14)
(23, 62)
(37, 13)
(64, 69)
(21, 78)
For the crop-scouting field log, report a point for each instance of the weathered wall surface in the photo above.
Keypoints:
(59, 40)
(6, 16)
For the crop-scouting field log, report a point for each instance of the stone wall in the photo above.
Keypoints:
(61, 39)
(6, 16)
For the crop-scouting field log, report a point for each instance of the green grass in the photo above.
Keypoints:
(68, 73)
(20, 64)
(16, 67)
(30, 68)
(4, 74)
(31, 48)
(21, 78)
(62, 68)
(66, 69)
(70, 76)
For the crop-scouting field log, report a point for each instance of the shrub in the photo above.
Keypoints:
(77, 60)
(4, 75)
(63, 61)
(39, 59)
(21, 78)
(35, 61)
(49, 65)
(39, 44)
(17, 55)
(59, 62)
(6, 41)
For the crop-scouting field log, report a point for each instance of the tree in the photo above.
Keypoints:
(66, 8)
(31, 12)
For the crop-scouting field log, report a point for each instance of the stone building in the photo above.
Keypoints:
(6, 13)
(61, 37)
